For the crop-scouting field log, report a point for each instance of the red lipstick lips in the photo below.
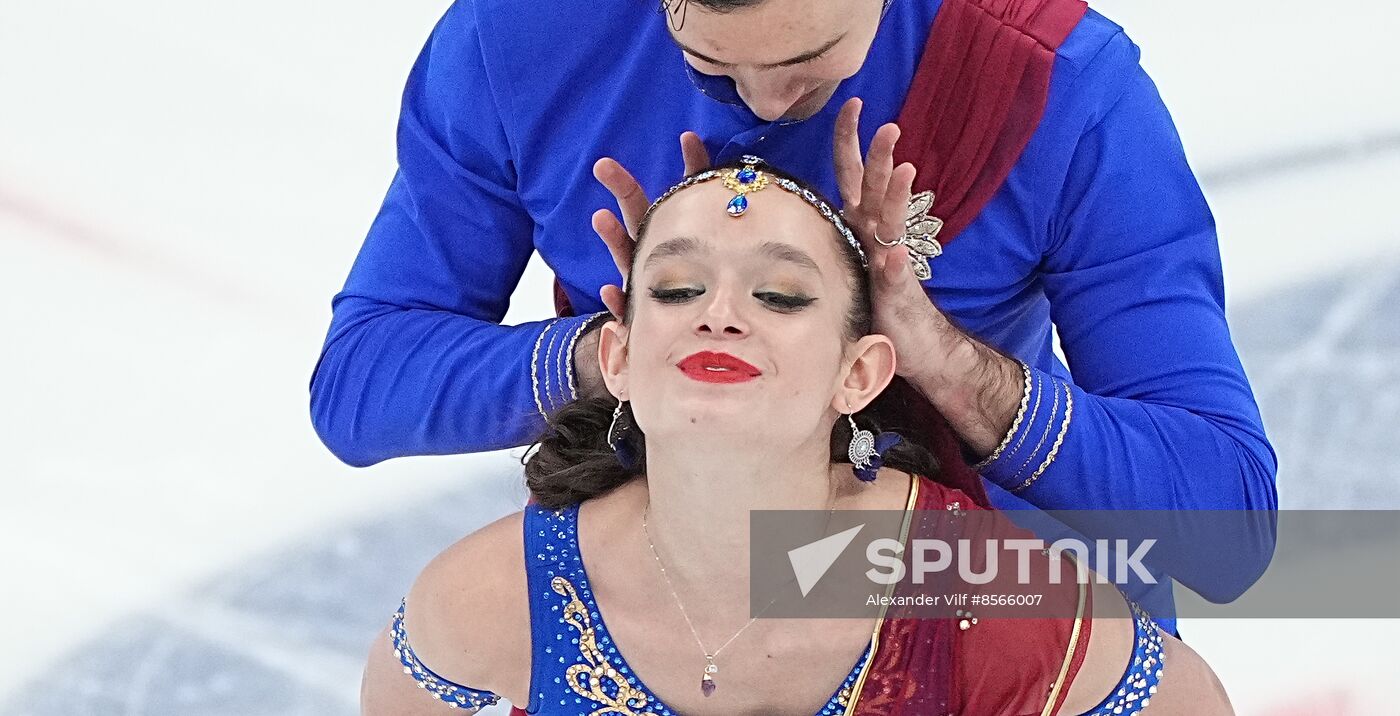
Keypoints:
(712, 367)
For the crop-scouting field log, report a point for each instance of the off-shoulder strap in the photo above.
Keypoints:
(1135, 689)
(449, 692)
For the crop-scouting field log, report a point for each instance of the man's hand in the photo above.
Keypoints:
(876, 197)
(619, 235)
(976, 388)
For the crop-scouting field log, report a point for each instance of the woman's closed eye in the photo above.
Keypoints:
(785, 301)
(775, 299)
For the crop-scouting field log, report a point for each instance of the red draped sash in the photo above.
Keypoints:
(976, 99)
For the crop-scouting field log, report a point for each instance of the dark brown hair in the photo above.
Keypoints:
(574, 461)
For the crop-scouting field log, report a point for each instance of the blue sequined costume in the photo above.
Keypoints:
(577, 668)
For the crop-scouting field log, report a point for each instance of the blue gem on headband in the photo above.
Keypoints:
(741, 181)
(749, 178)
(737, 206)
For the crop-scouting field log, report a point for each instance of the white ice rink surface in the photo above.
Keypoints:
(184, 185)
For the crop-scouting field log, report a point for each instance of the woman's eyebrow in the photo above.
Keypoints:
(679, 246)
(780, 251)
(775, 250)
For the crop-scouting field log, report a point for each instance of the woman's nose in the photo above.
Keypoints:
(721, 316)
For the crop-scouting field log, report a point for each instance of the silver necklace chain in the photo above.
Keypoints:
(710, 666)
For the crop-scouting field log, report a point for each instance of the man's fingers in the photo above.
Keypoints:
(630, 197)
(846, 152)
(619, 242)
(894, 205)
(694, 153)
(896, 264)
(892, 216)
(615, 300)
(879, 164)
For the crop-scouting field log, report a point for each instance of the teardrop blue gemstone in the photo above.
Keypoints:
(747, 175)
(738, 205)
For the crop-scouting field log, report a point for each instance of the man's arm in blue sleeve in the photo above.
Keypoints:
(416, 361)
(1160, 415)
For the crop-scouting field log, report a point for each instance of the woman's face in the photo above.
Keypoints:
(786, 57)
(737, 325)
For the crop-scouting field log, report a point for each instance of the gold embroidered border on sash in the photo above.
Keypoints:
(854, 696)
(1069, 651)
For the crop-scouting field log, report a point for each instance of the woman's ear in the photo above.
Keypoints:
(612, 357)
(871, 370)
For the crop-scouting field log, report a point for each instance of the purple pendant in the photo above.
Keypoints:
(707, 685)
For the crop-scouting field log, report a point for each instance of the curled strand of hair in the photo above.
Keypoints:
(572, 461)
(675, 12)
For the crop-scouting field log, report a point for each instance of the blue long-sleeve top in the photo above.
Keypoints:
(1101, 228)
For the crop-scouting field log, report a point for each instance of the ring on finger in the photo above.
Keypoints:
(896, 242)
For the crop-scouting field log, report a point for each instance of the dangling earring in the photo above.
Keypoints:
(862, 447)
(867, 450)
(616, 430)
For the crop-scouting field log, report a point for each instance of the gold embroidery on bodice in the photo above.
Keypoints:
(596, 679)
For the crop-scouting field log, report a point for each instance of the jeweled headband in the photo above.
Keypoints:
(750, 178)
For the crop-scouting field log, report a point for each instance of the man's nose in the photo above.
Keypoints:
(769, 98)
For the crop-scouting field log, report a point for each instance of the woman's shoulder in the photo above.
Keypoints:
(1161, 670)
(468, 612)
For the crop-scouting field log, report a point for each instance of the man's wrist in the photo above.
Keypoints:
(975, 387)
(588, 374)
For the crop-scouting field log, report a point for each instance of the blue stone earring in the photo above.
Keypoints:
(862, 447)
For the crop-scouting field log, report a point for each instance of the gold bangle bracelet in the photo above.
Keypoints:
(1015, 424)
(1055, 448)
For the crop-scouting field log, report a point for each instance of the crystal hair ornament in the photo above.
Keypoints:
(920, 234)
(742, 181)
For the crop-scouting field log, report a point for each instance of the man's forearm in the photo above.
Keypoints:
(975, 387)
(397, 382)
